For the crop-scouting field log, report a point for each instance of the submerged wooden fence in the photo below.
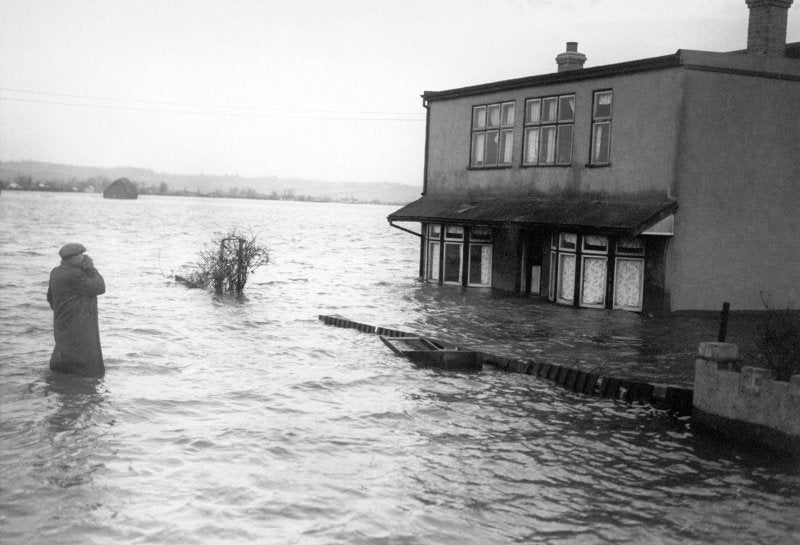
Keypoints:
(674, 399)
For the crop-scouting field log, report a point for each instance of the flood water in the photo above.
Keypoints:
(247, 420)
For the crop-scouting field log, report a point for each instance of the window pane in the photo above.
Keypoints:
(547, 149)
(600, 142)
(602, 105)
(506, 146)
(508, 114)
(595, 243)
(492, 147)
(533, 110)
(479, 117)
(480, 264)
(566, 277)
(549, 109)
(454, 231)
(433, 261)
(568, 241)
(494, 116)
(564, 144)
(478, 144)
(593, 288)
(531, 146)
(452, 262)
(480, 233)
(566, 109)
(634, 246)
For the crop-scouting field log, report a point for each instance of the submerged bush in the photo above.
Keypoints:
(778, 341)
(227, 262)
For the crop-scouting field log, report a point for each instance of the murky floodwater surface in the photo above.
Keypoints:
(247, 420)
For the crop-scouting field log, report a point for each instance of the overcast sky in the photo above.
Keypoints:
(297, 88)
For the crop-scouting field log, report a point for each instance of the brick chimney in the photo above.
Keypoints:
(766, 31)
(571, 59)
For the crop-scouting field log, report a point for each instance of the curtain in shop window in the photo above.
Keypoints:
(566, 280)
(593, 290)
(433, 261)
(628, 283)
(486, 264)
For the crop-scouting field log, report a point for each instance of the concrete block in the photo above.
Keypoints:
(580, 382)
(715, 351)
(572, 376)
(678, 401)
(751, 380)
(591, 384)
(517, 366)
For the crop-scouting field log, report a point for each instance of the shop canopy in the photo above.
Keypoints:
(616, 218)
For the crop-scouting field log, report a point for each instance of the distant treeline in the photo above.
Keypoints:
(99, 184)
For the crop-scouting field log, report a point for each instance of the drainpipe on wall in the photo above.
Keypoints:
(427, 136)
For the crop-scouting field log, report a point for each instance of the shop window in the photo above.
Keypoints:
(452, 262)
(480, 265)
(593, 281)
(480, 257)
(492, 135)
(566, 278)
(432, 258)
(629, 274)
(628, 283)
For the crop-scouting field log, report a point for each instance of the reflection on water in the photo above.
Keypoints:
(70, 429)
(247, 420)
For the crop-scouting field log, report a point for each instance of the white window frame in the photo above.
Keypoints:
(482, 129)
(598, 121)
(533, 127)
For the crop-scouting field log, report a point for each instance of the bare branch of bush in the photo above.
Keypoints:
(228, 261)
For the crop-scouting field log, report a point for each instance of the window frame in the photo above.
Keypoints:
(597, 121)
(555, 127)
(504, 133)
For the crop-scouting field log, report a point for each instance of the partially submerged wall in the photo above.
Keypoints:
(745, 404)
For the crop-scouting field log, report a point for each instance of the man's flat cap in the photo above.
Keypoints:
(71, 249)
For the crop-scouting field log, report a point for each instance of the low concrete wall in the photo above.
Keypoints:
(745, 403)
(677, 401)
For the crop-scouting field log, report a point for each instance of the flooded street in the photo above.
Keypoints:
(247, 420)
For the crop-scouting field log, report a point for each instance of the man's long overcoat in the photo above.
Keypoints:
(73, 295)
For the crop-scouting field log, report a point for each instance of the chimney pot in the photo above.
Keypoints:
(570, 59)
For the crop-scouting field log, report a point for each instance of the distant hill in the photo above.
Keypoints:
(54, 173)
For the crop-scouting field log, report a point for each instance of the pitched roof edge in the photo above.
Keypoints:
(641, 65)
(683, 57)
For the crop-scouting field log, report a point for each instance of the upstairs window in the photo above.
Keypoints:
(601, 128)
(492, 135)
(548, 130)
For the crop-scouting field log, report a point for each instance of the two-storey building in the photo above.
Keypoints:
(664, 183)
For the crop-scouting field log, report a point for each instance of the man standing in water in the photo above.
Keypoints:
(72, 294)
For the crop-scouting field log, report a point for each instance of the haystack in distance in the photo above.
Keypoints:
(121, 189)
